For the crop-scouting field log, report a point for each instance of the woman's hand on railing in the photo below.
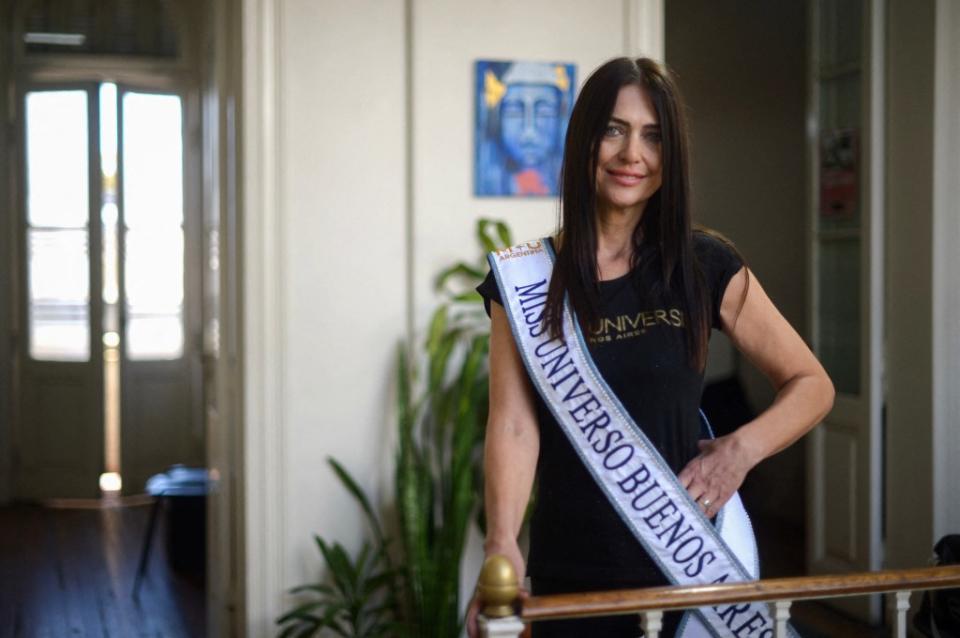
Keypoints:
(510, 550)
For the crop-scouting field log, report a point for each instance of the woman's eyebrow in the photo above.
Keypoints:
(645, 127)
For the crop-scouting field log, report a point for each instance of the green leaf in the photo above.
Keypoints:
(483, 236)
(358, 494)
(438, 325)
(289, 631)
(503, 231)
(458, 270)
(317, 587)
(339, 565)
(301, 611)
(469, 297)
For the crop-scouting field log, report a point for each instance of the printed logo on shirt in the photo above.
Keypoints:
(630, 326)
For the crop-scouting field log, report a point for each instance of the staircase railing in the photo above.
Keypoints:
(505, 614)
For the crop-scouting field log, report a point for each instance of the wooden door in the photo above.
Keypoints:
(59, 449)
(846, 186)
(159, 305)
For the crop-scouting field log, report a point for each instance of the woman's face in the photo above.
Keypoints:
(629, 157)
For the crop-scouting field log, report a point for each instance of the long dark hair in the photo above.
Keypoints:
(666, 223)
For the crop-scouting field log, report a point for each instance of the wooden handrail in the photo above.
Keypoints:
(633, 601)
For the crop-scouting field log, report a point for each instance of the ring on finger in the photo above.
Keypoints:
(705, 503)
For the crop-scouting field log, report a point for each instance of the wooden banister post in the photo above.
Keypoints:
(651, 622)
(902, 606)
(498, 590)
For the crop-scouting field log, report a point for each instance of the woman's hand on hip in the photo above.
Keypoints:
(713, 476)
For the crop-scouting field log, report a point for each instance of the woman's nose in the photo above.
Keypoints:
(632, 149)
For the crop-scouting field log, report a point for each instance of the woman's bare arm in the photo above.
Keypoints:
(512, 443)
(804, 394)
(511, 448)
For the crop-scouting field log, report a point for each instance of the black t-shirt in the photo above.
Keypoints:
(640, 350)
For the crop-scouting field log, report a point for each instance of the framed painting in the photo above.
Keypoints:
(522, 109)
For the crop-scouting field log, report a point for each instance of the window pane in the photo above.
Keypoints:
(154, 270)
(838, 338)
(153, 274)
(59, 295)
(57, 162)
(840, 100)
(840, 32)
(154, 337)
(152, 160)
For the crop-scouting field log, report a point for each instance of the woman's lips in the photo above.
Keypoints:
(626, 178)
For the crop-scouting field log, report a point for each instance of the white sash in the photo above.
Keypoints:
(636, 479)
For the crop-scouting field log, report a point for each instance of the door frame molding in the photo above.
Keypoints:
(8, 259)
(945, 265)
(262, 307)
(874, 360)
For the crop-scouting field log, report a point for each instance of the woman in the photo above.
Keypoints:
(646, 290)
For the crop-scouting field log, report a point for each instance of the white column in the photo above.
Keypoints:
(509, 627)
(902, 606)
(263, 360)
(651, 622)
(643, 27)
(781, 614)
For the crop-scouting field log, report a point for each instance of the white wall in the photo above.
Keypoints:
(324, 278)
(448, 37)
(343, 197)
(329, 199)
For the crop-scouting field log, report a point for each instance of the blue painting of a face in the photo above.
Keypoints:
(530, 123)
(522, 113)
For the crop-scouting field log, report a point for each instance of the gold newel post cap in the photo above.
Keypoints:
(497, 586)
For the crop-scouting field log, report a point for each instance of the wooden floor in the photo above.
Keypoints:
(68, 573)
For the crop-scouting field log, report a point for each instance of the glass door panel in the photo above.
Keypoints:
(60, 368)
(839, 336)
(845, 453)
(58, 215)
(153, 264)
(840, 32)
(838, 252)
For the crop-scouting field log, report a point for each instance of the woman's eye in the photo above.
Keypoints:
(613, 130)
(653, 138)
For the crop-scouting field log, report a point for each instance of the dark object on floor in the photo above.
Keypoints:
(182, 491)
(939, 613)
(726, 406)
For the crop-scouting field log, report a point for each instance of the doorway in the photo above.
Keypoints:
(108, 303)
(108, 248)
(114, 159)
